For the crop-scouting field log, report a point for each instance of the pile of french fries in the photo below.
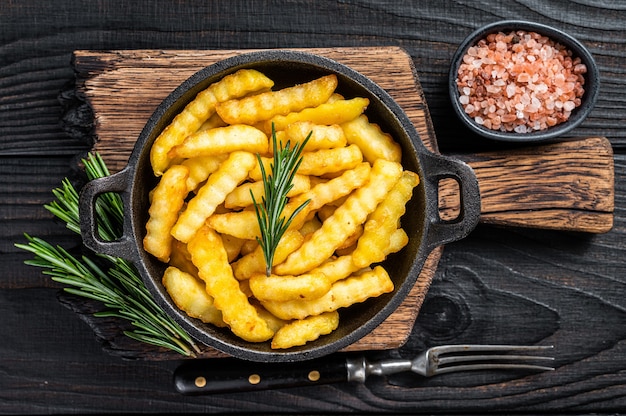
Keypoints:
(203, 224)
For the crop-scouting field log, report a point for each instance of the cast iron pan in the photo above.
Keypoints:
(425, 228)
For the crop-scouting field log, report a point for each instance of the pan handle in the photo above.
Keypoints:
(436, 168)
(117, 182)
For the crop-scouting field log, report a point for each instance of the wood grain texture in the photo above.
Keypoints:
(562, 186)
(499, 285)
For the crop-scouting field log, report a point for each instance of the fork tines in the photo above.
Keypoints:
(488, 357)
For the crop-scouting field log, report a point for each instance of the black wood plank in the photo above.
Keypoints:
(498, 285)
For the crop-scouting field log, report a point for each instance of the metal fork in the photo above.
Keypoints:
(227, 375)
(453, 358)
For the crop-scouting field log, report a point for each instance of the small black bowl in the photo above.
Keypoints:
(589, 97)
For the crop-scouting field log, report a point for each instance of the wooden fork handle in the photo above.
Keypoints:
(567, 185)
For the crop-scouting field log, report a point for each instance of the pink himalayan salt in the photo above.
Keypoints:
(520, 81)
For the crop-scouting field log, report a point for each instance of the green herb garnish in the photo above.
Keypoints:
(276, 185)
(113, 281)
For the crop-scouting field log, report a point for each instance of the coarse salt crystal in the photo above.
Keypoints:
(510, 90)
(531, 84)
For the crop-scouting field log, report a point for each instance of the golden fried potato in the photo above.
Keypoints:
(240, 224)
(209, 256)
(250, 110)
(190, 296)
(241, 196)
(320, 136)
(344, 221)
(332, 112)
(334, 160)
(181, 259)
(254, 262)
(283, 288)
(200, 109)
(383, 222)
(273, 322)
(349, 175)
(336, 268)
(372, 141)
(219, 184)
(232, 245)
(167, 200)
(221, 140)
(200, 168)
(301, 331)
(212, 122)
(343, 293)
(319, 162)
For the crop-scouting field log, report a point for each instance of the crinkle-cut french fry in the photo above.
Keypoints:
(309, 227)
(336, 112)
(200, 168)
(240, 197)
(240, 224)
(383, 222)
(254, 262)
(397, 241)
(337, 268)
(301, 331)
(330, 160)
(181, 259)
(167, 200)
(321, 136)
(318, 162)
(344, 221)
(305, 286)
(250, 110)
(189, 295)
(326, 192)
(372, 141)
(244, 285)
(222, 140)
(232, 245)
(343, 293)
(200, 109)
(240, 84)
(219, 184)
(212, 122)
(273, 322)
(249, 246)
(209, 256)
(352, 239)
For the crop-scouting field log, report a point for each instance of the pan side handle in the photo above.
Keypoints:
(119, 182)
(437, 168)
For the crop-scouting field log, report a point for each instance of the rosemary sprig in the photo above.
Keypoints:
(276, 185)
(107, 279)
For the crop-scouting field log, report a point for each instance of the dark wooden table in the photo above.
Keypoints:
(499, 285)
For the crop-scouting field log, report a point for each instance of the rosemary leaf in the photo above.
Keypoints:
(112, 281)
(276, 186)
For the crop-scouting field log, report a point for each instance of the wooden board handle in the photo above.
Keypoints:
(562, 186)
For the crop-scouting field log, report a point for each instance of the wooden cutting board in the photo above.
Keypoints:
(563, 186)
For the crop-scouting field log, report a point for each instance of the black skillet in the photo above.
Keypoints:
(425, 228)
